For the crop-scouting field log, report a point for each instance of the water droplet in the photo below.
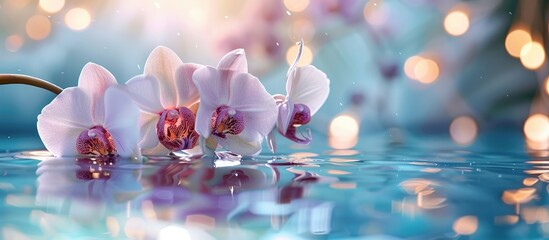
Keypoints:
(288, 12)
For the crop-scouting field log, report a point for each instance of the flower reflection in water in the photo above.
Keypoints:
(86, 191)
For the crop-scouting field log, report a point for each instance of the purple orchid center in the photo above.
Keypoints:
(95, 141)
(301, 115)
(175, 129)
(226, 120)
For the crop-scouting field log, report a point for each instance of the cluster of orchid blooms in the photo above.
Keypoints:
(176, 106)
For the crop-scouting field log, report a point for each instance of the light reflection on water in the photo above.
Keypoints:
(396, 193)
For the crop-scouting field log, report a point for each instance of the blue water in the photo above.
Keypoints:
(425, 187)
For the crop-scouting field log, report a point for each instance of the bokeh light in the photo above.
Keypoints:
(456, 23)
(296, 5)
(529, 181)
(532, 55)
(506, 219)
(51, 6)
(376, 13)
(343, 132)
(77, 19)
(113, 226)
(410, 66)
(14, 43)
(306, 56)
(17, 3)
(515, 40)
(38, 27)
(303, 28)
(198, 15)
(173, 232)
(466, 225)
(135, 228)
(536, 128)
(518, 196)
(463, 130)
(426, 71)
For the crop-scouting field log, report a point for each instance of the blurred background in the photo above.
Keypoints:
(397, 67)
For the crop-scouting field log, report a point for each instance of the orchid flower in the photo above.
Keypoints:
(235, 110)
(95, 118)
(168, 99)
(307, 88)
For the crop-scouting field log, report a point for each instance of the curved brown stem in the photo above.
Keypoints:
(28, 80)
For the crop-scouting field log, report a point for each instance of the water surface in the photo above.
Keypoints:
(422, 188)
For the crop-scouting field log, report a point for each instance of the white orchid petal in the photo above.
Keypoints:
(285, 112)
(292, 68)
(214, 92)
(271, 141)
(308, 86)
(186, 89)
(147, 125)
(162, 64)
(145, 91)
(232, 64)
(203, 120)
(234, 61)
(121, 120)
(63, 120)
(94, 80)
(237, 145)
(249, 96)
(212, 87)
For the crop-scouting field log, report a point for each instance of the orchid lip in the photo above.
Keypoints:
(301, 115)
(175, 129)
(226, 120)
(95, 141)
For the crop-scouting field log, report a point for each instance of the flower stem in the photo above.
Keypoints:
(28, 80)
